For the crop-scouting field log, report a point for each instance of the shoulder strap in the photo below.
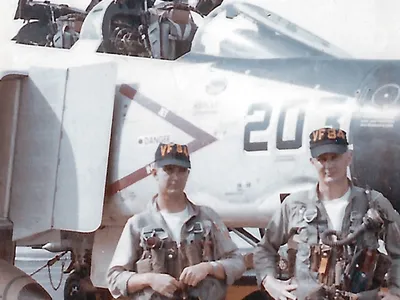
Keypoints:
(370, 237)
(368, 193)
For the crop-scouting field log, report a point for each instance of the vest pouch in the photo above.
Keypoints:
(208, 250)
(194, 240)
(172, 262)
(158, 260)
(291, 254)
(382, 267)
(144, 265)
(360, 271)
(315, 257)
(193, 253)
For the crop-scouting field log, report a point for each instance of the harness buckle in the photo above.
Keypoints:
(198, 227)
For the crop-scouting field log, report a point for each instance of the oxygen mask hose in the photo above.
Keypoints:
(371, 221)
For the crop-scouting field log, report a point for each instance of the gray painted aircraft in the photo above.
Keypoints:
(88, 92)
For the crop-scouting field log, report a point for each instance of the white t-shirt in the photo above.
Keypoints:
(175, 222)
(336, 209)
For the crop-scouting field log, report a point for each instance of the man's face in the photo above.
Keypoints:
(332, 167)
(171, 179)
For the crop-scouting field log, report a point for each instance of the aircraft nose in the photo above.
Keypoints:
(33, 291)
(17, 285)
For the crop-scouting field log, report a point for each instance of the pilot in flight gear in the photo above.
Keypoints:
(174, 249)
(333, 231)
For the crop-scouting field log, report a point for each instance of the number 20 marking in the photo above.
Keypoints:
(264, 124)
(257, 126)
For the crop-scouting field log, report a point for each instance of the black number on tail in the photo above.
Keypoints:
(257, 126)
(298, 140)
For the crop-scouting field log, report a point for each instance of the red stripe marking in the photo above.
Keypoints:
(127, 91)
(126, 181)
(201, 138)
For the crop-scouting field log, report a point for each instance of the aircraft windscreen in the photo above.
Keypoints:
(236, 29)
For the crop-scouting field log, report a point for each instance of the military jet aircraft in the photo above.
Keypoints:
(81, 120)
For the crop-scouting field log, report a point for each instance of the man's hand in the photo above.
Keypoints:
(279, 289)
(164, 284)
(194, 274)
(387, 296)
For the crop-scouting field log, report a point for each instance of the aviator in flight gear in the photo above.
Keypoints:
(174, 249)
(334, 256)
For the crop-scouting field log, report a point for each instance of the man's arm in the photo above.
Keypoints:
(121, 278)
(217, 270)
(276, 235)
(229, 263)
(392, 244)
